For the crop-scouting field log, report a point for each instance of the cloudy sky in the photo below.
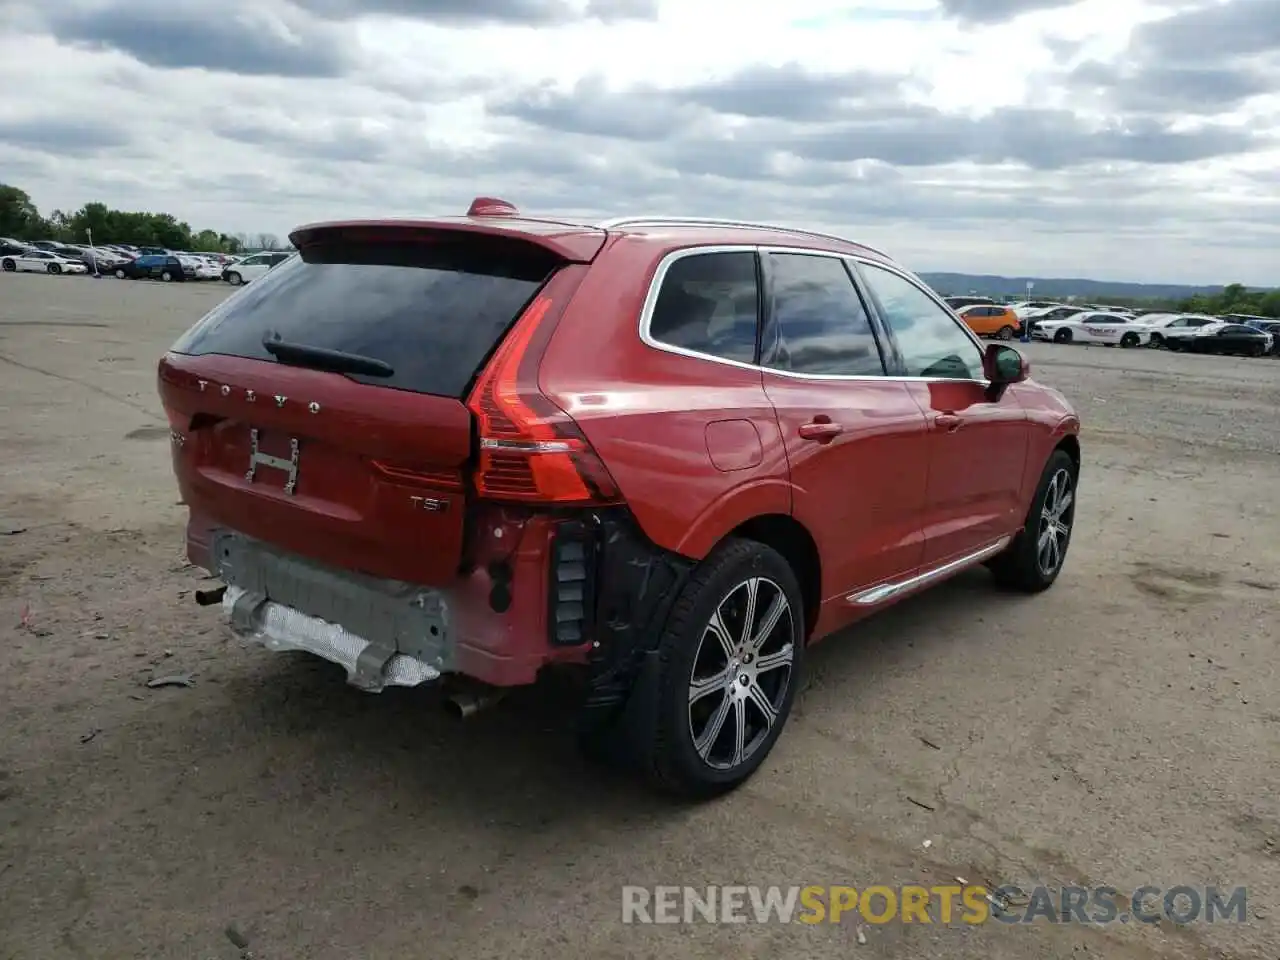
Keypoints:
(1123, 139)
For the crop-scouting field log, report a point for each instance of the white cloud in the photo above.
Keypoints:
(1074, 139)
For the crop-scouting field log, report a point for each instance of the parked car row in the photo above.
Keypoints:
(1194, 333)
(129, 262)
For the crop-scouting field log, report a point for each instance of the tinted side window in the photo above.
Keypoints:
(818, 324)
(709, 303)
(929, 340)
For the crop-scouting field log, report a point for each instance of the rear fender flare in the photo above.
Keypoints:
(728, 512)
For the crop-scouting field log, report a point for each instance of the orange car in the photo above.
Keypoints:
(991, 320)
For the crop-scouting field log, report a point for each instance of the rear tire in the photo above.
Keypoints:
(1156, 341)
(1130, 340)
(54, 269)
(1005, 333)
(1062, 336)
(167, 277)
(234, 279)
(8, 265)
(1032, 562)
(120, 274)
(723, 691)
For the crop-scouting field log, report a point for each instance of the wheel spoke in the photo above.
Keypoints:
(1064, 504)
(704, 686)
(773, 661)
(762, 703)
(749, 614)
(769, 621)
(715, 725)
(740, 730)
(717, 628)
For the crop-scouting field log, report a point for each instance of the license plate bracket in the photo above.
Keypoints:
(258, 458)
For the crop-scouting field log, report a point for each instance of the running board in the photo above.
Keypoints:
(887, 591)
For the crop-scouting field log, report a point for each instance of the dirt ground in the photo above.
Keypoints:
(1122, 729)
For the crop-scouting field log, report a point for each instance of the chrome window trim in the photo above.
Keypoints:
(664, 265)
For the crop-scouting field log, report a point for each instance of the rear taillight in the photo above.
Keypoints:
(530, 449)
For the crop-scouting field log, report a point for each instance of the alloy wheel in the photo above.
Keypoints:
(1056, 515)
(741, 673)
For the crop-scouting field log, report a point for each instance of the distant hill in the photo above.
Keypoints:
(1049, 288)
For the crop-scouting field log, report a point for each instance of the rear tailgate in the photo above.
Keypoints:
(364, 472)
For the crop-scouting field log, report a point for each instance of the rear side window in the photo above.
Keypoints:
(818, 325)
(432, 311)
(709, 304)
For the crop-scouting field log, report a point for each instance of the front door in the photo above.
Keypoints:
(855, 439)
(977, 447)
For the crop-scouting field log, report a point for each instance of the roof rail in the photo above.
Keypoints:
(717, 222)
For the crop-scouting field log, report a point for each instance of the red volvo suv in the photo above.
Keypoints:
(667, 454)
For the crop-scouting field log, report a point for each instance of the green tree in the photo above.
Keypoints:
(19, 217)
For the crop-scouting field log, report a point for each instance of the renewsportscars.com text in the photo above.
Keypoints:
(942, 904)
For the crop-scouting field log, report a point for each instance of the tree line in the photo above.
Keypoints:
(21, 220)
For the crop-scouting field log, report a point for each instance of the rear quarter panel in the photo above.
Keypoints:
(654, 416)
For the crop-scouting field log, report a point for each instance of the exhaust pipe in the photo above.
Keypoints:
(467, 703)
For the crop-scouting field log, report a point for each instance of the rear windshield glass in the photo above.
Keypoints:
(432, 310)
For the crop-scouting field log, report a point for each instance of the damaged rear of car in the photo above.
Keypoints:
(371, 469)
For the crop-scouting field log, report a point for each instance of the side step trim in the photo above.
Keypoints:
(887, 591)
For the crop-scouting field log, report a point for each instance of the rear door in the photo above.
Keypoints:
(855, 439)
(362, 469)
(977, 448)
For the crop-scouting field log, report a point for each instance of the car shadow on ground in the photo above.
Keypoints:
(517, 761)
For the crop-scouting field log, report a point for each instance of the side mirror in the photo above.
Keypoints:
(1002, 366)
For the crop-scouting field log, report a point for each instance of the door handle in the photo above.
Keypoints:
(823, 431)
(948, 422)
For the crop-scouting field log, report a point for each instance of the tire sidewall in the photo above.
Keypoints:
(1062, 336)
(679, 647)
(9, 266)
(234, 279)
(1058, 460)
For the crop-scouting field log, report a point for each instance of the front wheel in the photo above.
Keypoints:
(1156, 341)
(729, 665)
(120, 274)
(1034, 559)
(8, 265)
(1173, 345)
(234, 279)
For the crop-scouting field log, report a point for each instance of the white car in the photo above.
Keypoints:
(1093, 326)
(41, 261)
(251, 268)
(205, 268)
(1174, 326)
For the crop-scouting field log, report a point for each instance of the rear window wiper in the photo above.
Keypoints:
(322, 358)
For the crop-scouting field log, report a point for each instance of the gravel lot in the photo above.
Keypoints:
(1122, 729)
